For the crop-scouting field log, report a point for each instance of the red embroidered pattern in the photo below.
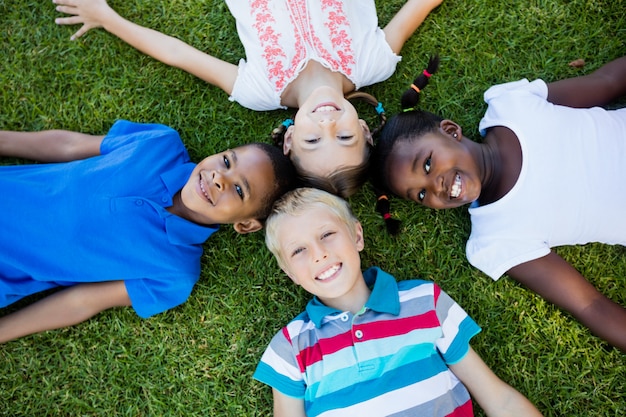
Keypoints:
(299, 36)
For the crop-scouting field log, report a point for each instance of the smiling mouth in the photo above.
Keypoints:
(204, 191)
(328, 272)
(455, 192)
(326, 107)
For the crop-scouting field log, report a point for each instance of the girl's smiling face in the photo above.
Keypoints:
(436, 170)
(327, 134)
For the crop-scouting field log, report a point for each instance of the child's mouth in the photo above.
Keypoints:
(204, 191)
(455, 192)
(326, 107)
(328, 272)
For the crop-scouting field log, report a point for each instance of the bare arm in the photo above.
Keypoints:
(64, 308)
(49, 145)
(558, 282)
(600, 87)
(164, 48)
(495, 397)
(285, 406)
(406, 21)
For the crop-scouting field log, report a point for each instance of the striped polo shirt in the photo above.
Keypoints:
(389, 359)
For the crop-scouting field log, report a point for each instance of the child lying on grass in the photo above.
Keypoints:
(548, 173)
(119, 220)
(299, 54)
(366, 344)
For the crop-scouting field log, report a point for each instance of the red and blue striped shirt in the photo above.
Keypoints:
(391, 358)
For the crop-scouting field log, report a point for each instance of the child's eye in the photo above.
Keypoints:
(239, 191)
(346, 137)
(226, 162)
(314, 140)
(421, 195)
(297, 251)
(326, 234)
(427, 165)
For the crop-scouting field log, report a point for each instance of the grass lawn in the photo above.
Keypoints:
(198, 359)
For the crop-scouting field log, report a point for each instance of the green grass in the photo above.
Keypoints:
(198, 359)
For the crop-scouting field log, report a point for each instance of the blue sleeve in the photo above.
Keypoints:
(150, 297)
(457, 326)
(124, 132)
(279, 369)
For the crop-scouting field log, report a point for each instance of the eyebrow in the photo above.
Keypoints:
(246, 184)
(415, 163)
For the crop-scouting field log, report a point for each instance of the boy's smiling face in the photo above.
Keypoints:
(321, 253)
(229, 187)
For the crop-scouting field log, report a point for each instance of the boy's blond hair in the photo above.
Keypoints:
(295, 203)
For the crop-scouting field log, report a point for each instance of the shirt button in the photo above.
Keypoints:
(164, 199)
(139, 202)
(358, 334)
(344, 317)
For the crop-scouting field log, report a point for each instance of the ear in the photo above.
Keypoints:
(287, 140)
(450, 128)
(359, 237)
(248, 226)
(366, 132)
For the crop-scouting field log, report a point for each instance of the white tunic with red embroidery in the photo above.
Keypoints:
(281, 36)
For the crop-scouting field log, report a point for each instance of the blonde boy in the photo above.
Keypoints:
(366, 344)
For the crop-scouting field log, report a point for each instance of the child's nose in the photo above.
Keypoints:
(320, 253)
(439, 185)
(219, 180)
(326, 119)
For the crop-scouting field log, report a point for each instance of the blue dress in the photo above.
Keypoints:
(103, 218)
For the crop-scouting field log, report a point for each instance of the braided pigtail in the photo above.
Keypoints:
(383, 207)
(278, 134)
(407, 123)
(378, 107)
(411, 97)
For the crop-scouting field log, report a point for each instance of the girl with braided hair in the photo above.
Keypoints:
(548, 173)
(302, 54)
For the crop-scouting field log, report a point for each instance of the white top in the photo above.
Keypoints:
(281, 36)
(571, 186)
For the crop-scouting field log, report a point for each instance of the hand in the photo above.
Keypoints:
(91, 13)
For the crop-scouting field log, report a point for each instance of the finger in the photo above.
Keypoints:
(81, 32)
(73, 20)
(67, 10)
(64, 3)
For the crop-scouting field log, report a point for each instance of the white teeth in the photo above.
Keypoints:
(456, 187)
(203, 190)
(325, 108)
(328, 273)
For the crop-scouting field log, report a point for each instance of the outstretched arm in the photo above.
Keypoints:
(558, 282)
(406, 21)
(67, 307)
(600, 87)
(494, 396)
(167, 49)
(49, 145)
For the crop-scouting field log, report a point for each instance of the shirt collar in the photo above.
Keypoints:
(383, 299)
(182, 231)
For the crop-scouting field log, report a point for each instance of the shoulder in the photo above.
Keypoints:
(417, 286)
(124, 133)
(537, 87)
